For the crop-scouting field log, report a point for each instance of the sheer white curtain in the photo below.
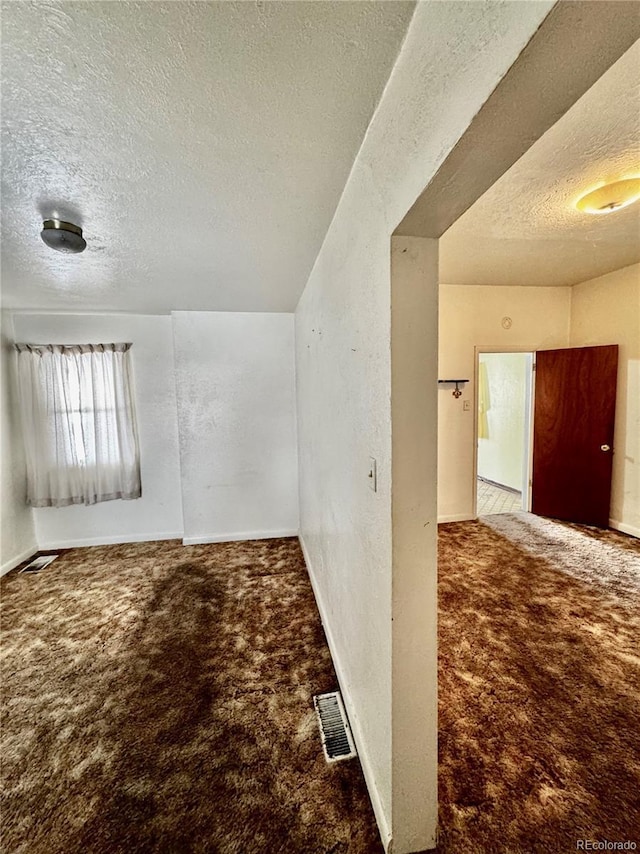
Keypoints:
(78, 420)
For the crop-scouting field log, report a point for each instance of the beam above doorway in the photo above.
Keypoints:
(573, 47)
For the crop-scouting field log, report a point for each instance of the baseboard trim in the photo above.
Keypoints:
(121, 539)
(456, 517)
(17, 560)
(239, 536)
(499, 485)
(354, 721)
(624, 528)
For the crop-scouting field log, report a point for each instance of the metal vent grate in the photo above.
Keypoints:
(39, 563)
(337, 741)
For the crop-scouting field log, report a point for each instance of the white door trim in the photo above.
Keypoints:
(500, 348)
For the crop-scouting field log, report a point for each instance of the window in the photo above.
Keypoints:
(79, 423)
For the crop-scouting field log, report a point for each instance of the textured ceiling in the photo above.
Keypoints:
(525, 229)
(202, 146)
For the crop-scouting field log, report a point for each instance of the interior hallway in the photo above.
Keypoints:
(539, 686)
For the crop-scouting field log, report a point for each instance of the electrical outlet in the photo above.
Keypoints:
(466, 406)
(372, 476)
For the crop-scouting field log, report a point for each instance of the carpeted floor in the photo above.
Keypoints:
(539, 681)
(157, 698)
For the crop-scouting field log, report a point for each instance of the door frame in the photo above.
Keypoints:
(530, 403)
(568, 52)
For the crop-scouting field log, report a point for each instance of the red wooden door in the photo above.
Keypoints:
(575, 400)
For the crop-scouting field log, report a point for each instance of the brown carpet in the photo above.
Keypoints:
(539, 656)
(157, 698)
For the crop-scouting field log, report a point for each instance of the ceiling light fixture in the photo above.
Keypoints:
(63, 236)
(610, 197)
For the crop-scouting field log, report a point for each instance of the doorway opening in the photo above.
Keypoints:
(433, 425)
(503, 435)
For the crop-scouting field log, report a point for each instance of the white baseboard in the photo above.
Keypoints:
(17, 560)
(456, 517)
(626, 529)
(239, 536)
(383, 826)
(121, 539)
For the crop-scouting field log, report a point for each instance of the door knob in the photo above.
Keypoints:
(605, 448)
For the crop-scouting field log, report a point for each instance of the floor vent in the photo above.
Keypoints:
(337, 741)
(39, 563)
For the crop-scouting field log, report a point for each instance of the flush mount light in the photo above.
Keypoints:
(610, 197)
(63, 236)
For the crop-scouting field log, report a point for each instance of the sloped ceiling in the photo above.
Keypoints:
(525, 230)
(202, 146)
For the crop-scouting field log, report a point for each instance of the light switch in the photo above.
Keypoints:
(372, 476)
(466, 406)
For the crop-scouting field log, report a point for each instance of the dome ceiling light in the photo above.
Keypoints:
(63, 236)
(610, 197)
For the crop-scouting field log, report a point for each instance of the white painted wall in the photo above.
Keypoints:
(452, 58)
(501, 454)
(414, 433)
(236, 408)
(18, 534)
(606, 310)
(158, 514)
(235, 463)
(470, 317)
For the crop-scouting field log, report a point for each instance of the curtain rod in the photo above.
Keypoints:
(78, 348)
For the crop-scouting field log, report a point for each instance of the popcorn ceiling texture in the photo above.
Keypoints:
(525, 229)
(202, 146)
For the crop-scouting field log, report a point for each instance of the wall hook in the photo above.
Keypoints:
(457, 392)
